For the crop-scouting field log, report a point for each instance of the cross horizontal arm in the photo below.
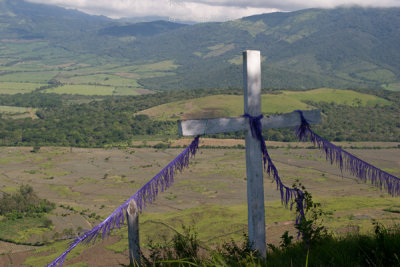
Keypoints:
(224, 125)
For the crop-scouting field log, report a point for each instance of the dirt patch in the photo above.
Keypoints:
(6, 247)
(14, 259)
(99, 256)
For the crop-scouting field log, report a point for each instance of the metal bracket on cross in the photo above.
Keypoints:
(254, 162)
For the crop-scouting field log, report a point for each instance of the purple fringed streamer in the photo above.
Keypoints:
(287, 194)
(146, 194)
(349, 162)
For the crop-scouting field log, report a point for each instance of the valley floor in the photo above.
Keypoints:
(88, 184)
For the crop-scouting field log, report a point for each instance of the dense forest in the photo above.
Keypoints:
(63, 121)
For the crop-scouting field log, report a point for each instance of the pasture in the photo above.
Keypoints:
(82, 76)
(283, 102)
(11, 88)
(17, 112)
(88, 184)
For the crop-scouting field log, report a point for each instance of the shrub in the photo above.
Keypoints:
(24, 202)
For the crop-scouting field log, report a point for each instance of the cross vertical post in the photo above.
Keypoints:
(254, 158)
(254, 161)
(132, 216)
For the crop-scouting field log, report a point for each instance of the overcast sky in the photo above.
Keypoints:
(203, 10)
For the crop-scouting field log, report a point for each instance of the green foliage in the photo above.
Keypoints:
(272, 103)
(310, 226)
(36, 100)
(236, 253)
(24, 203)
(182, 246)
(378, 249)
(303, 49)
(115, 120)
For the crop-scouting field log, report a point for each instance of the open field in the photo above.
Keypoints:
(232, 105)
(17, 112)
(10, 88)
(78, 76)
(88, 184)
(393, 87)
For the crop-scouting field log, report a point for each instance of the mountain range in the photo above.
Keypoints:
(341, 48)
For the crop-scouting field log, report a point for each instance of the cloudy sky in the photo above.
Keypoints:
(203, 10)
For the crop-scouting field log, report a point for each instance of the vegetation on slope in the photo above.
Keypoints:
(116, 120)
(380, 248)
(24, 203)
(278, 102)
(315, 247)
(340, 48)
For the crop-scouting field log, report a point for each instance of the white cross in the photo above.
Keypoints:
(254, 162)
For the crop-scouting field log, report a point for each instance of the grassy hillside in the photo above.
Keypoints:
(70, 120)
(279, 102)
(338, 48)
(341, 48)
(88, 184)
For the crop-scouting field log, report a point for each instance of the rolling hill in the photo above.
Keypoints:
(215, 106)
(336, 48)
(346, 47)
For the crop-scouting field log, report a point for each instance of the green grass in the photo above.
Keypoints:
(343, 97)
(63, 191)
(253, 28)
(86, 180)
(11, 88)
(381, 75)
(10, 189)
(232, 220)
(225, 220)
(379, 247)
(82, 90)
(373, 249)
(221, 106)
(103, 79)
(232, 105)
(28, 77)
(167, 65)
(13, 110)
(126, 91)
(20, 230)
(91, 78)
(53, 251)
(392, 86)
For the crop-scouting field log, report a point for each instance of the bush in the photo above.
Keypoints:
(24, 202)
(182, 246)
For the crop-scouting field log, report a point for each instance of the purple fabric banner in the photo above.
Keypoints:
(146, 194)
(287, 194)
(344, 160)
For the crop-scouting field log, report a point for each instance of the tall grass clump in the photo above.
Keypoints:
(380, 248)
(314, 246)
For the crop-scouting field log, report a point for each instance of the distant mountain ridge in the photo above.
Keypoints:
(345, 47)
(339, 48)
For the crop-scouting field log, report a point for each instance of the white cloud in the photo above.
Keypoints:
(203, 10)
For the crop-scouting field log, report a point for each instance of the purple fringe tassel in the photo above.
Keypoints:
(287, 194)
(349, 162)
(146, 194)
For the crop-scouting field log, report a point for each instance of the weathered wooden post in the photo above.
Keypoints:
(254, 162)
(132, 216)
